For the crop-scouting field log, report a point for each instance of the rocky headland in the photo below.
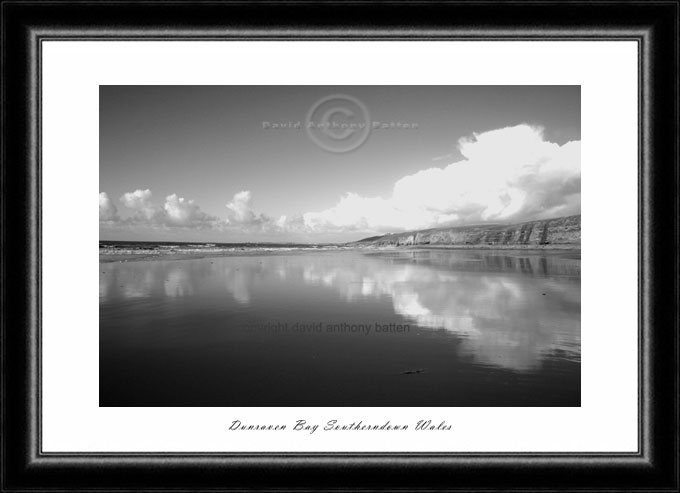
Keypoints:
(561, 232)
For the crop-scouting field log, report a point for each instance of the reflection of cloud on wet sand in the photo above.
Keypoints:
(178, 283)
(135, 280)
(508, 311)
(127, 283)
(504, 319)
(238, 282)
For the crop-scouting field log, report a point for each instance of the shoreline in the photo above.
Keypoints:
(557, 247)
(111, 257)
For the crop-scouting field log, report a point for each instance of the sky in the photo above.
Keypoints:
(295, 164)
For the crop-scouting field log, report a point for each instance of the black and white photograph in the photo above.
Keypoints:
(342, 246)
(328, 246)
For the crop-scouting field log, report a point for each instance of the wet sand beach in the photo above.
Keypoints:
(340, 327)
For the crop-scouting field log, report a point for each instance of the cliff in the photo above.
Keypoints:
(558, 232)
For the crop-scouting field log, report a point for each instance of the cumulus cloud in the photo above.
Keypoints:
(507, 174)
(140, 203)
(175, 212)
(107, 209)
(240, 213)
(240, 209)
(182, 212)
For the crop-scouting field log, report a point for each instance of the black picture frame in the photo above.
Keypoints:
(653, 24)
